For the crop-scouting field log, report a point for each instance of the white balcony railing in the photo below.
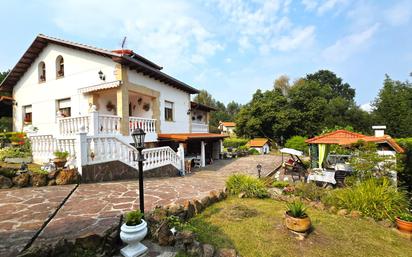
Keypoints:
(109, 124)
(71, 125)
(200, 128)
(148, 125)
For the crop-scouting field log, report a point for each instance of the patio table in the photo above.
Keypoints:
(322, 176)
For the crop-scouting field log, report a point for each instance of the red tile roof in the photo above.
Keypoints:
(344, 137)
(228, 124)
(191, 136)
(257, 142)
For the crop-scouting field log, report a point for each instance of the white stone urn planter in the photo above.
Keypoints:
(132, 235)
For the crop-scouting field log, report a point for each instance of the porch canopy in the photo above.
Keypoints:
(203, 144)
(345, 138)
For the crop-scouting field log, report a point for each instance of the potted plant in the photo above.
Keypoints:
(404, 222)
(296, 218)
(60, 158)
(132, 232)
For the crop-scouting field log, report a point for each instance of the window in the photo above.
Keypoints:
(59, 67)
(27, 114)
(64, 107)
(42, 72)
(168, 111)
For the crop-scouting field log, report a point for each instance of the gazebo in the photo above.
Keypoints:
(319, 145)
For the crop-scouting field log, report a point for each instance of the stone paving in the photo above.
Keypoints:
(23, 212)
(92, 208)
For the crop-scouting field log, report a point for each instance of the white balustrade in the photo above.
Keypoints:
(200, 127)
(44, 146)
(72, 125)
(148, 125)
(104, 149)
(109, 124)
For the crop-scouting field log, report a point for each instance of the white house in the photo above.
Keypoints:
(88, 100)
(260, 144)
(227, 127)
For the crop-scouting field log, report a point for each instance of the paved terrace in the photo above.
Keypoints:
(92, 208)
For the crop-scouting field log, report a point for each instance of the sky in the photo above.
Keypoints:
(231, 48)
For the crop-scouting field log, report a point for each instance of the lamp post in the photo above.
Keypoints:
(259, 169)
(138, 138)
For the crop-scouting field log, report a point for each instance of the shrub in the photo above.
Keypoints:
(6, 124)
(250, 186)
(234, 142)
(133, 218)
(280, 184)
(298, 143)
(375, 198)
(296, 209)
(61, 155)
(310, 191)
(404, 163)
(253, 151)
(406, 217)
(13, 152)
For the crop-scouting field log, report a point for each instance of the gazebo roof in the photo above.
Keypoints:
(344, 137)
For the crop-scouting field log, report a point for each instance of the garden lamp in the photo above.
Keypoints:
(138, 138)
(259, 169)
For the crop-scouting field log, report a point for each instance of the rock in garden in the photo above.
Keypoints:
(89, 241)
(52, 182)
(165, 236)
(342, 212)
(242, 195)
(189, 209)
(332, 209)
(385, 223)
(226, 253)
(185, 237)
(194, 249)
(355, 214)
(5, 182)
(198, 206)
(22, 180)
(175, 209)
(214, 197)
(38, 180)
(208, 250)
(66, 177)
(205, 201)
(320, 206)
(53, 174)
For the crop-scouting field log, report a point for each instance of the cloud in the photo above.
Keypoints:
(310, 5)
(328, 5)
(169, 33)
(399, 14)
(345, 47)
(366, 107)
(263, 25)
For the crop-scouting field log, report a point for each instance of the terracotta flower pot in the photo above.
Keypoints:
(404, 225)
(297, 224)
(59, 162)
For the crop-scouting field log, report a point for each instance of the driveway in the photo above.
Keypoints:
(92, 208)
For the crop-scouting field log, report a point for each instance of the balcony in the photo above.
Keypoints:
(200, 127)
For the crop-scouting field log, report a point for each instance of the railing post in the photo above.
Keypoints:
(94, 121)
(81, 149)
(181, 154)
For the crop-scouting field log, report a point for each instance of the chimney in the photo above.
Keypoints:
(379, 130)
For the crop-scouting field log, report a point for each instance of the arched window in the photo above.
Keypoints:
(59, 67)
(42, 72)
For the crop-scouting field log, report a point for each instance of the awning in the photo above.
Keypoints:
(106, 85)
(183, 137)
(6, 98)
(291, 151)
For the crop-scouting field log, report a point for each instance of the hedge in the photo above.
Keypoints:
(234, 142)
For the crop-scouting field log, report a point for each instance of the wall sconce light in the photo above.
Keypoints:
(101, 75)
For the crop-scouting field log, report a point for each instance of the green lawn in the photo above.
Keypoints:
(254, 228)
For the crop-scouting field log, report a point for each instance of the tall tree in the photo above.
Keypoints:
(282, 83)
(393, 107)
(328, 78)
(3, 75)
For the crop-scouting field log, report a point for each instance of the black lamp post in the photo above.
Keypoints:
(259, 169)
(138, 138)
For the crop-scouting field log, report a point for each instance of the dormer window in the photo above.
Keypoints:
(42, 72)
(59, 67)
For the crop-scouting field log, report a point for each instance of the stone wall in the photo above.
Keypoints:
(116, 170)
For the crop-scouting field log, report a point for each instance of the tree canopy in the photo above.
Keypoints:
(3, 75)
(318, 101)
(393, 107)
